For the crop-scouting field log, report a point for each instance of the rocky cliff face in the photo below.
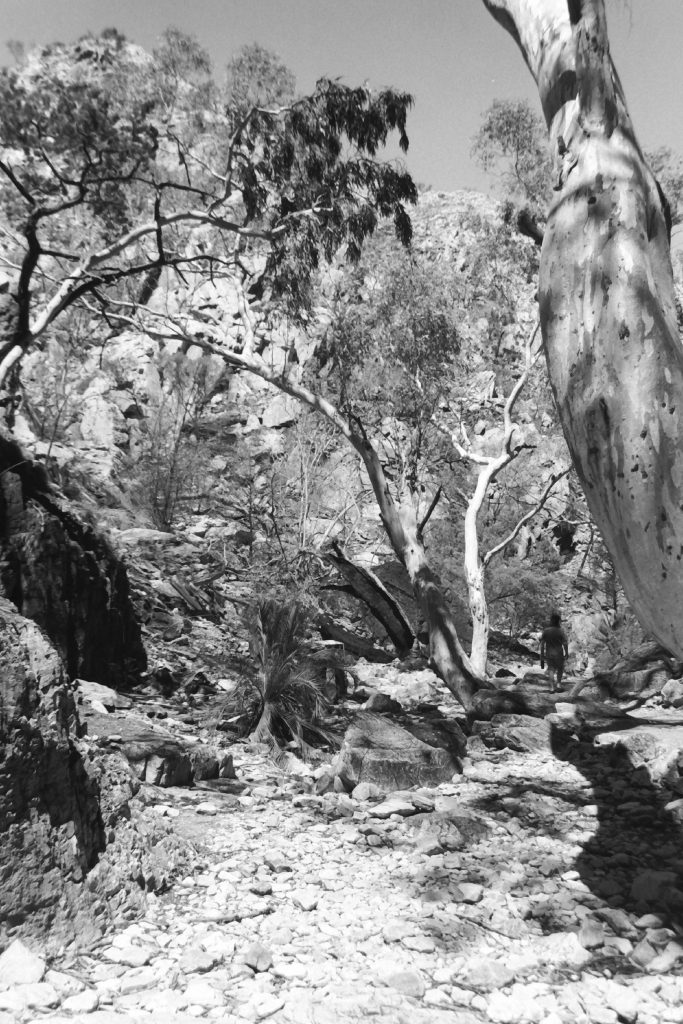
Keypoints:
(59, 572)
(65, 612)
(77, 844)
(51, 829)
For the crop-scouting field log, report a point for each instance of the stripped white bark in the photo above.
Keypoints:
(490, 467)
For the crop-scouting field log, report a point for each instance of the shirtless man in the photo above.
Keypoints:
(554, 650)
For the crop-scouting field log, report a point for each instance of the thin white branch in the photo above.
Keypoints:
(526, 518)
(247, 320)
(529, 360)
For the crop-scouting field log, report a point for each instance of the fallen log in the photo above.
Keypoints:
(352, 642)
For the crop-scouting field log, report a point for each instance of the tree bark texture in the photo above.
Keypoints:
(607, 306)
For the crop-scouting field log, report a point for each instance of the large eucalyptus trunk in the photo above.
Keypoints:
(607, 306)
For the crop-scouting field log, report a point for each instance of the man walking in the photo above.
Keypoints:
(554, 651)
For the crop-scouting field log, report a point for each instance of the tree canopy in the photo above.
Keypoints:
(111, 159)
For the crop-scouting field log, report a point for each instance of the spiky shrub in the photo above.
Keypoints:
(284, 700)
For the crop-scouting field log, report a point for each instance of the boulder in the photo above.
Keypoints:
(438, 732)
(59, 796)
(378, 751)
(367, 791)
(51, 829)
(659, 748)
(155, 755)
(20, 966)
(517, 732)
(107, 697)
(453, 825)
(487, 703)
(672, 693)
(652, 888)
(485, 974)
(281, 411)
(401, 805)
(204, 762)
(380, 702)
(210, 763)
(641, 683)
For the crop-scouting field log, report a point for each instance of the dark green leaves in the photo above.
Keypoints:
(73, 135)
(101, 142)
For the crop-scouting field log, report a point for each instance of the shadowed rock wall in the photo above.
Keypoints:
(60, 573)
(51, 829)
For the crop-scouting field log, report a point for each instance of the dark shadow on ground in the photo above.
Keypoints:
(635, 833)
(633, 859)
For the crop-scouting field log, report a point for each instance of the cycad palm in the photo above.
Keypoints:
(285, 700)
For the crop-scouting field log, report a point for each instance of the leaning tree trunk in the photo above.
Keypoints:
(447, 655)
(607, 306)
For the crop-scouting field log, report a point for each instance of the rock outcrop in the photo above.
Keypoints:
(516, 732)
(77, 843)
(155, 755)
(378, 751)
(51, 829)
(59, 572)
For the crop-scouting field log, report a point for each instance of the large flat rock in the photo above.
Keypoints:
(658, 746)
(379, 751)
(155, 754)
(109, 698)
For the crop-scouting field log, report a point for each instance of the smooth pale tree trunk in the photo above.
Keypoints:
(475, 568)
(479, 611)
(607, 306)
(489, 468)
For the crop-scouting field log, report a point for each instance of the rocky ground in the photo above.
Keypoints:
(534, 886)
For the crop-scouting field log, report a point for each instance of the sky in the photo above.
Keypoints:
(449, 54)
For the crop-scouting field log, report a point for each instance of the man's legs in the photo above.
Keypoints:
(555, 669)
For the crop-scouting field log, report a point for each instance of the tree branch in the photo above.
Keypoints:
(434, 502)
(508, 425)
(525, 518)
(23, 191)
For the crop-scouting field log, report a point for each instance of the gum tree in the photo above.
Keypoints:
(117, 167)
(607, 305)
(127, 181)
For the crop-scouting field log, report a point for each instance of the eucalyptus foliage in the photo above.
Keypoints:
(116, 166)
